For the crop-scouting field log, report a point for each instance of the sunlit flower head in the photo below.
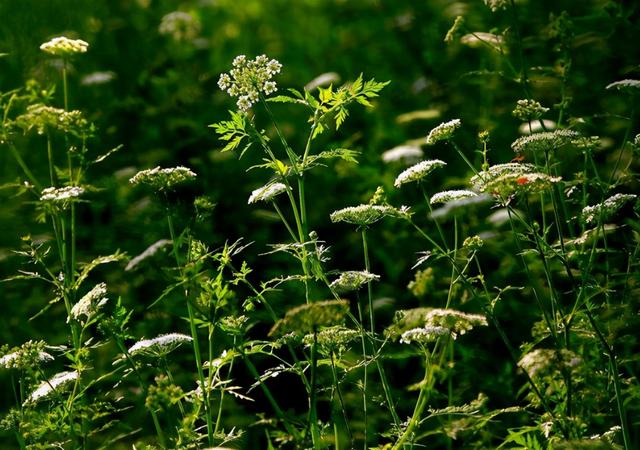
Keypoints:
(267, 193)
(163, 179)
(409, 154)
(159, 346)
(63, 46)
(353, 280)
(418, 171)
(53, 386)
(89, 305)
(449, 196)
(443, 132)
(603, 211)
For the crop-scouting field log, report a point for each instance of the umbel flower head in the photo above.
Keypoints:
(528, 110)
(163, 179)
(449, 196)
(181, 26)
(457, 322)
(404, 320)
(505, 180)
(60, 198)
(606, 209)
(28, 356)
(63, 46)
(53, 386)
(249, 78)
(353, 280)
(545, 141)
(443, 132)
(308, 318)
(159, 346)
(423, 335)
(542, 360)
(267, 192)
(362, 215)
(333, 339)
(45, 118)
(90, 304)
(403, 153)
(625, 85)
(418, 171)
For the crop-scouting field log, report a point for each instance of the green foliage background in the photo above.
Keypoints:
(164, 94)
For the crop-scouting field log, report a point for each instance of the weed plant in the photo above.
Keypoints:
(313, 355)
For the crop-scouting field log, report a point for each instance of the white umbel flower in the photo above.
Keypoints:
(353, 280)
(266, 193)
(9, 360)
(449, 196)
(418, 171)
(624, 85)
(59, 382)
(159, 346)
(443, 131)
(90, 303)
(423, 335)
(60, 195)
(63, 46)
(362, 214)
(606, 209)
(163, 179)
(403, 153)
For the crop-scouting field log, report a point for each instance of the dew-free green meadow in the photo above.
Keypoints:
(319, 224)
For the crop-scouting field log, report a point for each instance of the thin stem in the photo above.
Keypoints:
(194, 335)
(367, 266)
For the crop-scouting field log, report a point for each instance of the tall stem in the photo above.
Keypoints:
(194, 335)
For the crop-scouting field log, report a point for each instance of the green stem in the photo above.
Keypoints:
(194, 335)
(313, 413)
(24, 167)
(367, 266)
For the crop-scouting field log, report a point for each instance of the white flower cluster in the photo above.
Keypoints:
(624, 85)
(541, 360)
(249, 78)
(423, 335)
(353, 280)
(267, 192)
(63, 46)
(45, 118)
(61, 196)
(159, 346)
(362, 214)
(528, 109)
(457, 322)
(449, 196)
(547, 140)
(97, 78)
(148, 253)
(90, 303)
(335, 338)
(483, 180)
(408, 154)
(54, 385)
(443, 131)
(605, 209)
(418, 171)
(181, 26)
(163, 179)
(12, 360)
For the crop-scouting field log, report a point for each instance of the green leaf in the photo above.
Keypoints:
(283, 99)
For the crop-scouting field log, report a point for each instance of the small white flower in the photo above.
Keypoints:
(448, 196)
(249, 78)
(545, 141)
(624, 85)
(418, 171)
(63, 46)
(90, 303)
(59, 382)
(267, 193)
(607, 208)
(403, 153)
(423, 335)
(353, 280)
(163, 179)
(60, 197)
(443, 131)
(159, 346)
(362, 214)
